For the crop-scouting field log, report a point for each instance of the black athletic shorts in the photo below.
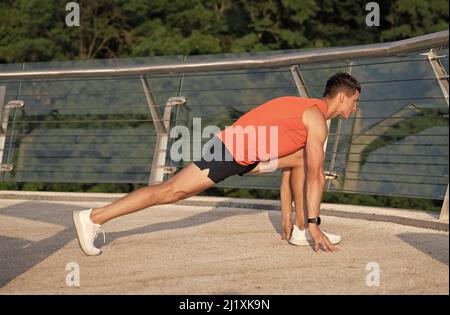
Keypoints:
(226, 166)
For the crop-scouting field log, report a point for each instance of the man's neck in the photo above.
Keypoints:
(331, 109)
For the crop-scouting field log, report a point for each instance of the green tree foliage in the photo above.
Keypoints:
(35, 30)
(407, 18)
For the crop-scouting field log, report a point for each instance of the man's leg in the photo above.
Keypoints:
(296, 161)
(293, 166)
(286, 204)
(288, 161)
(297, 181)
(188, 182)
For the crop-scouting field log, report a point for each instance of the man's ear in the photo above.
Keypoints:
(341, 97)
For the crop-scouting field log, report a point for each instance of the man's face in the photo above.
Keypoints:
(348, 104)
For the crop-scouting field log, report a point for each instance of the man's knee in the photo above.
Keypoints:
(174, 193)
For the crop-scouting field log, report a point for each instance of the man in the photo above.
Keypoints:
(301, 131)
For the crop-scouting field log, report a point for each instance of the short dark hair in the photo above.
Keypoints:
(341, 81)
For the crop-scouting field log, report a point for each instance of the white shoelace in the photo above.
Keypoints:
(97, 230)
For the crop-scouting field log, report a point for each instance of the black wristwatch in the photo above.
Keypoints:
(316, 220)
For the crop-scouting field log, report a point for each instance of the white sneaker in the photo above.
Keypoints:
(87, 232)
(304, 238)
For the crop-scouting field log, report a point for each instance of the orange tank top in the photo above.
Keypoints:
(272, 130)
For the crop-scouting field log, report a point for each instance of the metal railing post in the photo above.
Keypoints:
(3, 123)
(3, 127)
(4, 119)
(444, 210)
(439, 72)
(162, 126)
(442, 79)
(299, 82)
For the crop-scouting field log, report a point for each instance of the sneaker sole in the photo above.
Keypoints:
(335, 242)
(80, 237)
(306, 243)
(300, 243)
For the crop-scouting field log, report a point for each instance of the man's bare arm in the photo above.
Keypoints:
(316, 126)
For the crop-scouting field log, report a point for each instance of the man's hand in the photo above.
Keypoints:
(286, 228)
(321, 240)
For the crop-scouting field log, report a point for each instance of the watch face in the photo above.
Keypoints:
(315, 220)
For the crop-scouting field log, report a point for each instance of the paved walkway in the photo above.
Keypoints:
(194, 249)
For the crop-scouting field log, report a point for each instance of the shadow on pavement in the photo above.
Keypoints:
(434, 245)
(19, 255)
(198, 219)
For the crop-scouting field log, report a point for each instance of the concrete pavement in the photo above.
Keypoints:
(197, 249)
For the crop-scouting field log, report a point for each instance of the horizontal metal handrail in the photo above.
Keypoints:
(97, 145)
(313, 55)
(154, 136)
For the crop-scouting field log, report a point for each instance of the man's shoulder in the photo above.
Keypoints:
(316, 105)
(315, 102)
(313, 109)
(297, 99)
(313, 117)
(313, 113)
(287, 98)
